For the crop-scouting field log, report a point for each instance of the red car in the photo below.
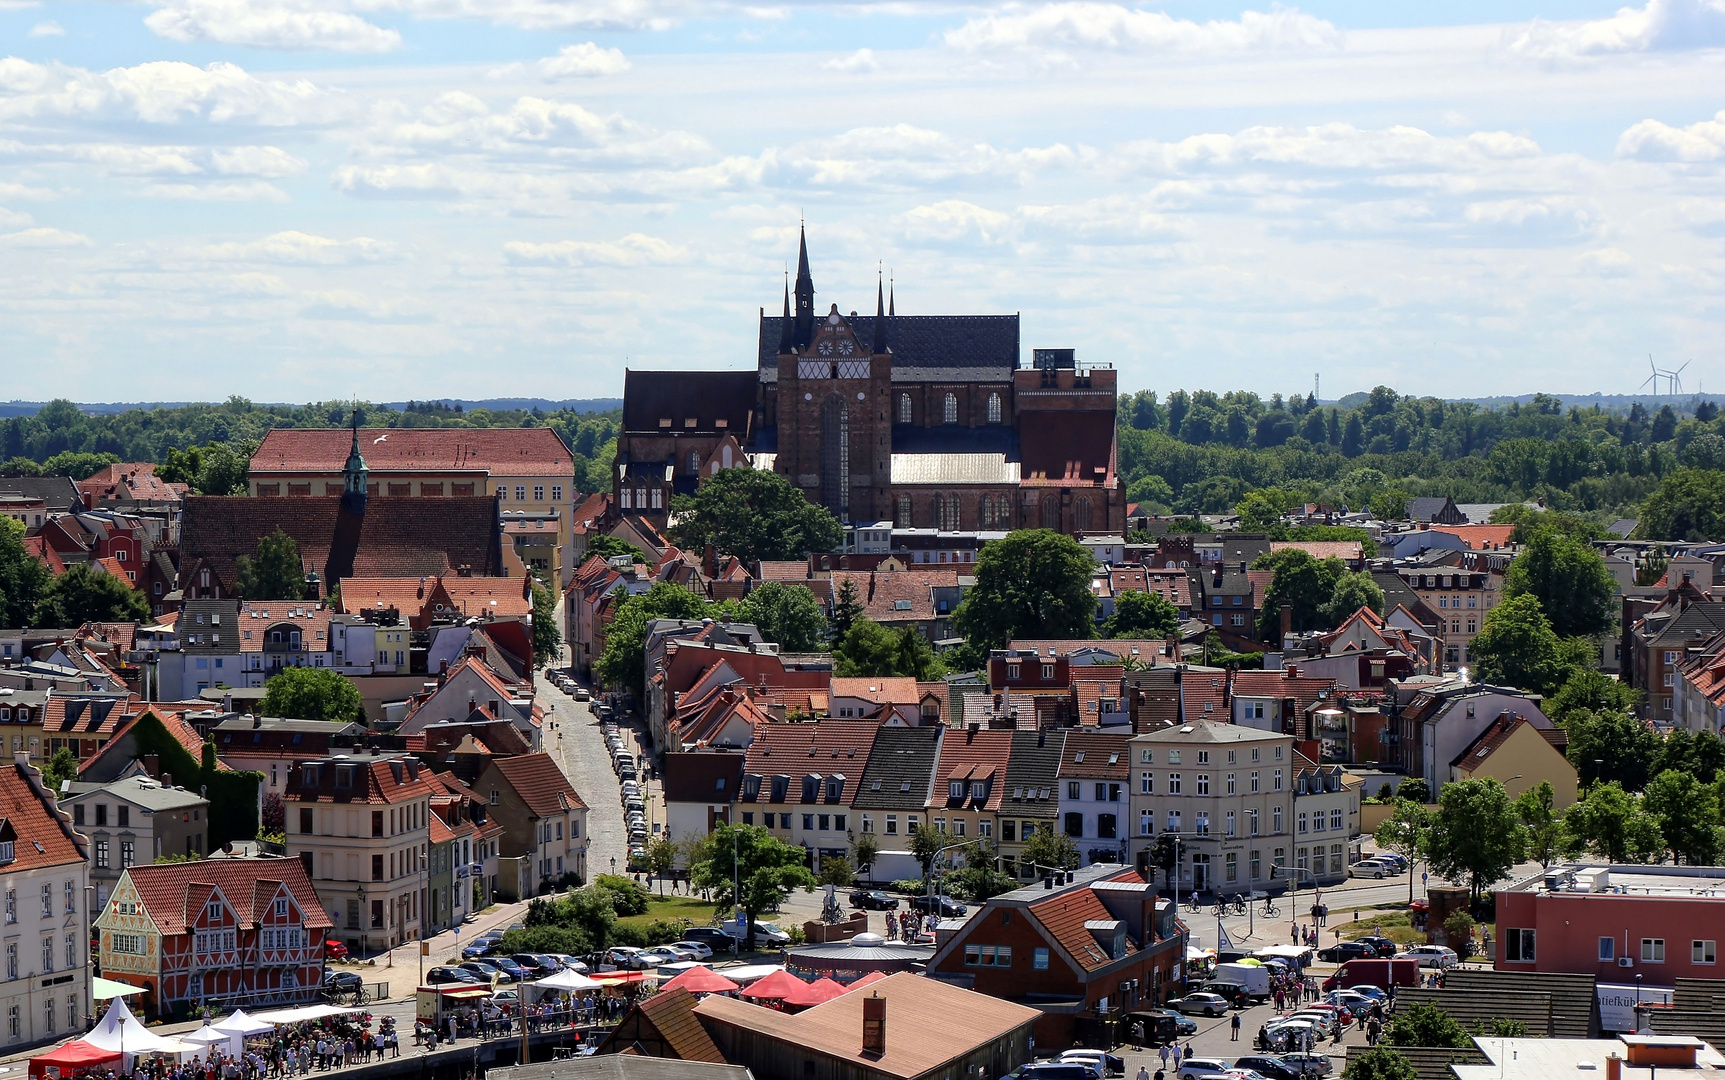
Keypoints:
(334, 950)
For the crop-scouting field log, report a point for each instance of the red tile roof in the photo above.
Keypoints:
(540, 783)
(41, 833)
(1280, 684)
(969, 756)
(1479, 537)
(1095, 748)
(258, 618)
(831, 747)
(374, 781)
(493, 451)
(173, 893)
(897, 596)
(1345, 550)
(1064, 917)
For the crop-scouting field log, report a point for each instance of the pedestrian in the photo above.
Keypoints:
(1143, 1073)
(1234, 1028)
(1176, 1056)
(1164, 1052)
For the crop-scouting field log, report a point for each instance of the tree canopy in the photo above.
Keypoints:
(1568, 578)
(1034, 583)
(1477, 836)
(90, 594)
(786, 613)
(1517, 647)
(764, 867)
(1612, 746)
(303, 693)
(547, 636)
(23, 579)
(871, 650)
(1687, 505)
(754, 515)
(1611, 824)
(1142, 615)
(275, 573)
(624, 657)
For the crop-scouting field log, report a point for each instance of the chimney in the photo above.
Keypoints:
(1287, 620)
(167, 779)
(1613, 1067)
(227, 703)
(257, 722)
(874, 1024)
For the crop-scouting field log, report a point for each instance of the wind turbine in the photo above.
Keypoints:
(1674, 380)
(1653, 378)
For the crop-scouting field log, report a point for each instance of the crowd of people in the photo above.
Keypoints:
(908, 926)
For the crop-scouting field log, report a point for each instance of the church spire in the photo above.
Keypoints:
(787, 327)
(891, 300)
(805, 327)
(354, 475)
(880, 318)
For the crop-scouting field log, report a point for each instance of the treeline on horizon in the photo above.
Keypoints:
(1189, 452)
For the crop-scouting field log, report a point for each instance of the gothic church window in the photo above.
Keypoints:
(994, 408)
(904, 408)
(949, 410)
(694, 461)
(948, 507)
(904, 508)
(1083, 513)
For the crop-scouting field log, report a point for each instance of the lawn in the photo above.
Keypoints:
(1393, 925)
(699, 912)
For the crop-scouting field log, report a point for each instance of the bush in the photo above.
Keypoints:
(914, 886)
(629, 934)
(628, 897)
(663, 931)
(797, 935)
(547, 939)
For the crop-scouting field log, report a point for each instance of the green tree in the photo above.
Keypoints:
(1687, 812)
(79, 466)
(89, 594)
(213, 469)
(63, 766)
(1414, 789)
(1699, 753)
(1305, 584)
(1689, 504)
(1476, 835)
(1142, 615)
(1535, 808)
(1259, 512)
(925, 843)
(865, 849)
(609, 547)
(1612, 824)
(764, 865)
(871, 650)
(662, 859)
(754, 515)
(1379, 1063)
(787, 614)
(1426, 1024)
(302, 693)
(1407, 832)
(624, 657)
(1587, 690)
(847, 608)
(836, 870)
(547, 638)
(1517, 647)
(23, 578)
(1459, 927)
(1033, 583)
(1353, 591)
(628, 897)
(1048, 849)
(1611, 746)
(1568, 578)
(276, 573)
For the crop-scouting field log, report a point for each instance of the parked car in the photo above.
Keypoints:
(1183, 1024)
(534, 964)
(581, 694)
(569, 963)
(678, 953)
(334, 950)
(710, 936)
(1274, 1068)
(625, 957)
(437, 976)
(485, 971)
(1434, 956)
(1371, 868)
(1383, 946)
(1313, 1065)
(1376, 993)
(873, 900)
(701, 951)
(1197, 1068)
(1347, 950)
(1201, 1003)
(945, 906)
(1112, 1064)
(1233, 993)
(1400, 862)
(1054, 1070)
(343, 982)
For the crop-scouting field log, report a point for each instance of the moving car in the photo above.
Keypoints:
(945, 906)
(873, 900)
(1202, 1004)
(343, 982)
(1347, 950)
(1434, 956)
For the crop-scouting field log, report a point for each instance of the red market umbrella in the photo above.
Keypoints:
(701, 979)
(871, 977)
(778, 986)
(68, 1059)
(819, 991)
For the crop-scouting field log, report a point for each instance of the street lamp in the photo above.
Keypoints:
(89, 972)
(364, 923)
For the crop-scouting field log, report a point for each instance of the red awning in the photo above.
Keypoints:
(777, 986)
(701, 979)
(75, 1055)
(821, 990)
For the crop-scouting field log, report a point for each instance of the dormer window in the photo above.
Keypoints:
(979, 789)
(213, 912)
(344, 776)
(955, 790)
(308, 776)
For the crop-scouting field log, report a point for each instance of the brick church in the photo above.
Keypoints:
(927, 421)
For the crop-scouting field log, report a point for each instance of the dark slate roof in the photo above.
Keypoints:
(899, 756)
(1243, 547)
(1432, 1062)
(1034, 763)
(396, 537)
(1433, 509)
(924, 341)
(677, 396)
(1397, 593)
(1058, 443)
(952, 439)
(60, 493)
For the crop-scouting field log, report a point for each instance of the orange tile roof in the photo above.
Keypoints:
(1279, 684)
(169, 889)
(1345, 550)
(540, 783)
(42, 833)
(969, 756)
(673, 1014)
(1064, 917)
(830, 747)
(259, 617)
(1095, 748)
(493, 451)
(893, 690)
(1479, 537)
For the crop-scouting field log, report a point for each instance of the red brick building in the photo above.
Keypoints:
(1098, 943)
(245, 931)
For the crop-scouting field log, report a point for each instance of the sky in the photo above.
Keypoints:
(298, 200)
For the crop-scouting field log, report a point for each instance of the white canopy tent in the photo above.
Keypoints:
(564, 982)
(119, 1030)
(211, 1037)
(304, 1012)
(103, 989)
(241, 1024)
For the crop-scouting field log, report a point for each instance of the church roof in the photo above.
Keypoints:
(962, 342)
(706, 397)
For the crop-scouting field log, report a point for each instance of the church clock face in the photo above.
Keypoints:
(825, 348)
(846, 348)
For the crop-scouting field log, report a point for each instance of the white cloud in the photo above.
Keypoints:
(1650, 139)
(636, 249)
(1327, 146)
(270, 24)
(157, 92)
(45, 238)
(583, 61)
(49, 28)
(904, 156)
(1662, 24)
(853, 63)
(255, 191)
(955, 221)
(554, 14)
(304, 249)
(1090, 25)
(268, 162)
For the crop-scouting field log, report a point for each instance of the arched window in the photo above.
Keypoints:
(1082, 513)
(903, 521)
(1051, 512)
(950, 510)
(836, 456)
(949, 410)
(994, 408)
(694, 461)
(904, 408)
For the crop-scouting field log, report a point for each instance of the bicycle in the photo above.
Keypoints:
(1239, 904)
(1270, 910)
(1193, 906)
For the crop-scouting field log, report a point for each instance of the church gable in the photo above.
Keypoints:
(836, 351)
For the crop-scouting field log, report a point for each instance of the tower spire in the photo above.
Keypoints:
(805, 326)
(787, 328)
(880, 319)
(354, 475)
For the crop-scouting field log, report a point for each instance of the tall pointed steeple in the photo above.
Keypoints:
(787, 327)
(354, 475)
(880, 318)
(891, 300)
(805, 327)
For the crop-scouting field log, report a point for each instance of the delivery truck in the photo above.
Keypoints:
(1253, 979)
(1379, 973)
